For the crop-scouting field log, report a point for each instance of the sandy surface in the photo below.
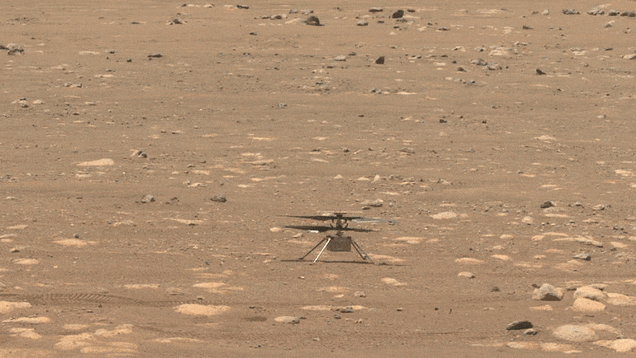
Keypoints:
(497, 137)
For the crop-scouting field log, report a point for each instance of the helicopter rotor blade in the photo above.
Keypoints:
(326, 217)
(326, 228)
(310, 227)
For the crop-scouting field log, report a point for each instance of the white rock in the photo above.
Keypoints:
(466, 274)
(469, 261)
(575, 333)
(547, 292)
(444, 215)
(618, 299)
(590, 293)
(619, 345)
(586, 305)
(287, 319)
(97, 163)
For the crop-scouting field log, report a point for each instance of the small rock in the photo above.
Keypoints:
(630, 57)
(547, 204)
(613, 13)
(288, 319)
(373, 203)
(530, 332)
(219, 198)
(379, 60)
(340, 58)
(376, 9)
(348, 309)
(147, 199)
(598, 207)
(466, 274)
(360, 294)
(244, 7)
(547, 292)
(545, 12)
(570, 12)
(596, 11)
(363, 23)
(155, 55)
(540, 71)
(313, 21)
(398, 14)
(517, 325)
(177, 21)
(583, 256)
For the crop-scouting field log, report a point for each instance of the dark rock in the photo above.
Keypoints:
(313, 21)
(398, 14)
(547, 204)
(379, 60)
(517, 325)
(155, 55)
(540, 71)
(376, 9)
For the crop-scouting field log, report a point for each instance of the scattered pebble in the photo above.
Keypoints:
(219, 198)
(583, 256)
(379, 60)
(147, 199)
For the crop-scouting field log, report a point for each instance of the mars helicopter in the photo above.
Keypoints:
(338, 242)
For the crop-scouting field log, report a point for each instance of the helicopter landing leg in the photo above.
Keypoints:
(328, 238)
(310, 251)
(361, 251)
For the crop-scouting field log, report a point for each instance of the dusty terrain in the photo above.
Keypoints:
(498, 137)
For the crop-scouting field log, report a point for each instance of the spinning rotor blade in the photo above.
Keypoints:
(310, 228)
(325, 228)
(325, 217)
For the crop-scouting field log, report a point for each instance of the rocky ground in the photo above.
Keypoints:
(151, 151)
